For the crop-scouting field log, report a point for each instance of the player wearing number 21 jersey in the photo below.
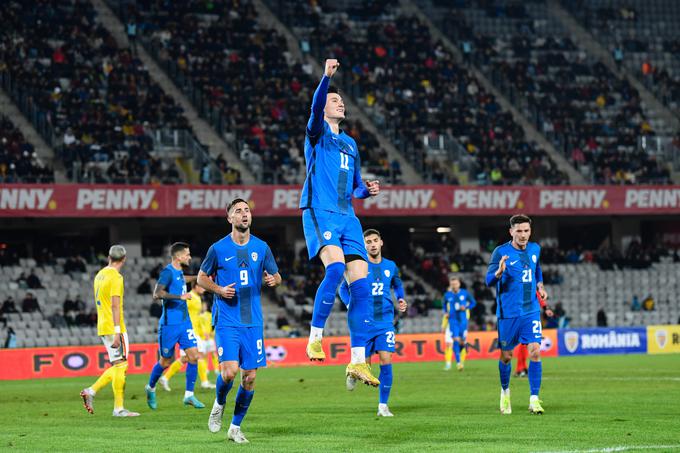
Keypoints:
(239, 264)
(515, 272)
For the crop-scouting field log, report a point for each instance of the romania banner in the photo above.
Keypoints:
(663, 339)
(603, 340)
(38, 363)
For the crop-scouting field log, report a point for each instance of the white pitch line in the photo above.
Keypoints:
(620, 448)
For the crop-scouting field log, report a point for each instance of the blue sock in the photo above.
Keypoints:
(243, 399)
(221, 389)
(505, 369)
(325, 295)
(191, 373)
(156, 374)
(385, 382)
(456, 351)
(535, 374)
(358, 313)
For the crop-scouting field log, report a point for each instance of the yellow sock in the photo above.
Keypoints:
(119, 385)
(104, 379)
(448, 354)
(463, 354)
(202, 370)
(173, 369)
(216, 363)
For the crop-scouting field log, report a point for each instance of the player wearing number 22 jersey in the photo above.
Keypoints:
(383, 276)
(515, 271)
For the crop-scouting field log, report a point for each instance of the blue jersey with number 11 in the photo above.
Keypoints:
(333, 163)
(243, 265)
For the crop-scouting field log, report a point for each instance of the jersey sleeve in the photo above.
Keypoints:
(315, 123)
(539, 271)
(343, 292)
(116, 288)
(269, 262)
(397, 284)
(445, 304)
(496, 256)
(209, 264)
(165, 278)
(360, 190)
(471, 299)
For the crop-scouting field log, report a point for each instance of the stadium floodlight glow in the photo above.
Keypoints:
(443, 229)
(411, 230)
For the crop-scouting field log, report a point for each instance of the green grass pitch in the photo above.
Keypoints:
(615, 403)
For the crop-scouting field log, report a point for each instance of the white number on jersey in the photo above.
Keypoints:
(377, 289)
(259, 346)
(244, 277)
(344, 161)
(526, 276)
(537, 327)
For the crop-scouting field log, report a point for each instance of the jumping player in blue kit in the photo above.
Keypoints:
(174, 326)
(457, 302)
(332, 230)
(515, 272)
(383, 275)
(240, 264)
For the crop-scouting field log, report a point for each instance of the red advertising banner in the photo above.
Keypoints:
(40, 363)
(28, 200)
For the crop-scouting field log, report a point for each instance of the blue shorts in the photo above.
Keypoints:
(331, 228)
(523, 329)
(380, 339)
(171, 334)
(458, 330)
(244, 345)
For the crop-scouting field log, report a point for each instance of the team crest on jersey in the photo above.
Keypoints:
(165, 350)
(327, 235)
(461, 297)
(571, 341)
(533, 258)
(661, 338)
(254, 256)
(387, 273)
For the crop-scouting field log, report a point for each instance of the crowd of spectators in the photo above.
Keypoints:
(414, 87)
(643, 39)
(18, 160)
(635, 256)
(589, 113)
(247, 82)
(97, 100)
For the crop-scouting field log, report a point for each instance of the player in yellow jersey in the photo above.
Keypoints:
(205, 318)
(194, 307)
(108, 297)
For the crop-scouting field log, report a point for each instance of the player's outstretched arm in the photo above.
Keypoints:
(399, 292)
(315, 123)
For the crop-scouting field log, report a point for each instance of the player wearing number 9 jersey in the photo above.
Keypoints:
(239, 264)
(383, 276)
(515, 272)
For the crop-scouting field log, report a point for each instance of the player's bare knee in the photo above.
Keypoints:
(385, 360)
(229, 374)
(506, 357)
(166, 361)
(248, 379)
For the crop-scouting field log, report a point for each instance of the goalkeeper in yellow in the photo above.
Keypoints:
(108, 297)
(195, 307)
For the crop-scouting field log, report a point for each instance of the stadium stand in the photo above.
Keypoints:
(417, 92)
(642, 36)
(246, 83)
(18, 160)
(93, 102)
(592, 115)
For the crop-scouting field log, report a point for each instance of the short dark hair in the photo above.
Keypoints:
(371, 231)
(333, 89)
(519, 218)
(178, 247)
(234, 202)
